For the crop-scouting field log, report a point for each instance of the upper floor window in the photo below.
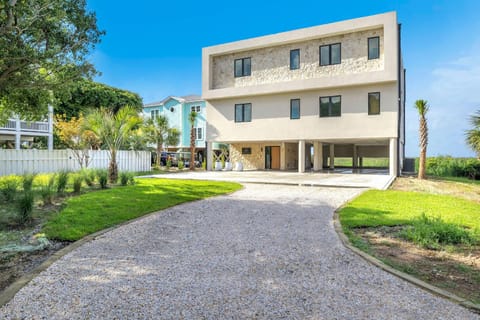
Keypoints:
(195, 109)
(373, 48)
(243, 67)
(331, 106)
(374, 103)
(294, 59)
(198, 133)
(154, 114)
(243, 112)
(295, 109)
(330, 54)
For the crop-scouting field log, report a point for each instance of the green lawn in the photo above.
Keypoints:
(388, 208)
(98, 210)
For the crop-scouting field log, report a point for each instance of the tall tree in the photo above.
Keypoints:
(159, 133)
(84, 95)
(422, 108)
(473, 135)
(192, 118)
(113, 130)
(43, 46)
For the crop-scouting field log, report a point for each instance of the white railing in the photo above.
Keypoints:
(37, 126)
(41, 161)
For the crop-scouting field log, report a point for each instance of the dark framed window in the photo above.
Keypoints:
(331, 106)
(243, 112)
(295, 109)
(243, 67)
(246, 150)
(294, 59)
(373, 48)
(330, 54)
(374, 103)
(198, 133)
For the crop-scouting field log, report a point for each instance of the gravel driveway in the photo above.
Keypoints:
(267, 251)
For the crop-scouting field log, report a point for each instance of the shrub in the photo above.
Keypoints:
(24, 206)
(446, 166)
(62, 180)
(88, 176)
(180, 165)
(47, 190)
(77, 183)
(102, 177)
(27, 181)
(169, 164)
(204, 165)
(9, 188)
(432, 233)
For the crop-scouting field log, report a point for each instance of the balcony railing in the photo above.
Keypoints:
(31, 126)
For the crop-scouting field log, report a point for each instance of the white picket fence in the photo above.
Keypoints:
(40, 161)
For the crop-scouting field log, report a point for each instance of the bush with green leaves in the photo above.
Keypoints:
(447, 166)
(47, 190)
(8, 187)
(62, 181)
(433, 233)
(180, 165)
(102, 177)
(77, 183)
(169, 164)
(127, 178)
(88, 176)
(24, 206)
(27, 181)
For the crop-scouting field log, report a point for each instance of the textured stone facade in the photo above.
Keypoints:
(253, 161)
(272, 65)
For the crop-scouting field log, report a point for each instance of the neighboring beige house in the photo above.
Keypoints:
(336, 89)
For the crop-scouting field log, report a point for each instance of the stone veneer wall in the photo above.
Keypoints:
(253, 161)
(272, 65)
(291, 156)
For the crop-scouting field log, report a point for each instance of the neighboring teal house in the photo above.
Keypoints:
(177, 110)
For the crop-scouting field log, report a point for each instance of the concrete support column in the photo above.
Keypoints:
(50, 128)
(332, 156)
(301, 156)
(393, 157)
(17, 133)
(317, 156)
(355, 157)
(209, 156)
(283, 156)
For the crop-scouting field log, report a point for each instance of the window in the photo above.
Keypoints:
(294, 59)
(154, 114)
(374, 103)
(373, 48)
(243, 112)
(195, 109)
(198, 133)
(242, 67)
(331, 106)
(295, 109)
(246, 150)
(330, 54)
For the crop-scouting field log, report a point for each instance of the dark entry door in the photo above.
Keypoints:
(272, 158)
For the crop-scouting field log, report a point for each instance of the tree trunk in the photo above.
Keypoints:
(159, 154)
(422, 163)
(113, 168)
(192, 148)
(423, 148)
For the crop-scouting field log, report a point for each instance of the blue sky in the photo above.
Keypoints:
(154, 48)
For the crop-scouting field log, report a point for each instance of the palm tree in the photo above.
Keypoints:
(113, 130)
(473, 135)
(192, 118)
(422, 108)
(158, 132)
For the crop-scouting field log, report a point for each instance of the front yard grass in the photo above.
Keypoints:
(432, 233)
(94, 211)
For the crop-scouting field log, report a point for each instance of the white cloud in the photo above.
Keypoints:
(454, 94)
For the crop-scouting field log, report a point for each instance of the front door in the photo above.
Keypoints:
(272, 158)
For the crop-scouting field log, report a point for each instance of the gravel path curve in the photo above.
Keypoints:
(267, 251)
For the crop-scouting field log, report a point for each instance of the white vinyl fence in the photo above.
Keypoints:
(39, 161)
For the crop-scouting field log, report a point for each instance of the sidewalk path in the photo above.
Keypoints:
(265, 252)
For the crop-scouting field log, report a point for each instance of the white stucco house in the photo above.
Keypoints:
(337, 89)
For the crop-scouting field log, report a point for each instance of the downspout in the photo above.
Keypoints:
(399, 80)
